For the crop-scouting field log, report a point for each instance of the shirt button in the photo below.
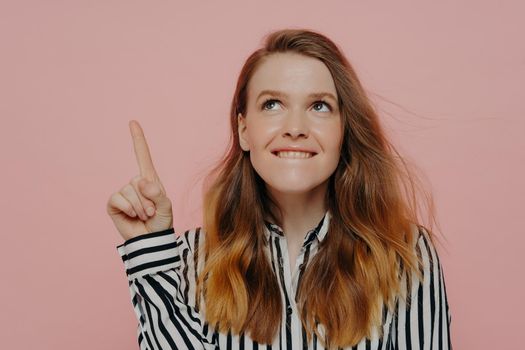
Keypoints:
(289, 310)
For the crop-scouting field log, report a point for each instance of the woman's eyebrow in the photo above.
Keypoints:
(282, 94)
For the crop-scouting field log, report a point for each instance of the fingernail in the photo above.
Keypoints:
(150, 211)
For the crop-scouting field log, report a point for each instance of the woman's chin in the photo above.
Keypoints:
(292, 188)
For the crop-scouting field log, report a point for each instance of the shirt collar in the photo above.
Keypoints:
(318, 232)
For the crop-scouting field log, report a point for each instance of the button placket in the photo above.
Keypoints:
(284, 270)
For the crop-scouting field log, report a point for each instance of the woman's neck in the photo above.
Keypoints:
(301, 211)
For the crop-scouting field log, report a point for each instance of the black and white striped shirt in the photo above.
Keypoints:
(161, 270)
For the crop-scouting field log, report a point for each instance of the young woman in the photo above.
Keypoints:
(310, 237)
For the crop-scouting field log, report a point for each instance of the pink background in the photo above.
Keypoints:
(447, 80)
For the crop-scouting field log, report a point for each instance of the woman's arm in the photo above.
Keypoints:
(425, 323)
(158, 267)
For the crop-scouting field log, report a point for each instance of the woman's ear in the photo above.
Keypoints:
(241, 122)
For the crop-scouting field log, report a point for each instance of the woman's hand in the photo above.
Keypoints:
(141, 206)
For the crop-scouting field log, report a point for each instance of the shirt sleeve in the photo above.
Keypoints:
(158, 266)
(424, 323)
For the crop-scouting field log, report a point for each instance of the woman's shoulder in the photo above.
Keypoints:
(191, 239)
(426, 250)
(421, 236)
(426, 239)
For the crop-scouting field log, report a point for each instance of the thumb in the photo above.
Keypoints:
(153, 191)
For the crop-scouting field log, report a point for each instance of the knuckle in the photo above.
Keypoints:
(135, 180)
(112, 203)
(127, 190)
(112, 200)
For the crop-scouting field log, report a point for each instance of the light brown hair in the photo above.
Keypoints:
(370, 242)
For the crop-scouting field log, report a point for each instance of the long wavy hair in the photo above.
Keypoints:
(370, 240)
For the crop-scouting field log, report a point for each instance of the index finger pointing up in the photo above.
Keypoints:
(140, 145)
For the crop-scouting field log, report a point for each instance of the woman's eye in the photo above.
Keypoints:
(268, 102)
(317, 103)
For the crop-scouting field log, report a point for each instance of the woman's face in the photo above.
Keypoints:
(292, 105)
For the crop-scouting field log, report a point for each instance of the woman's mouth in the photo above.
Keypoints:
(294, 154)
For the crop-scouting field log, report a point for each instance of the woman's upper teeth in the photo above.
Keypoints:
(293, 154)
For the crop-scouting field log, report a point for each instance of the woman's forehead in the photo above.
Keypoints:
(291, 75)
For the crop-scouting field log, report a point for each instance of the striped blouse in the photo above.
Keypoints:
(162, 269)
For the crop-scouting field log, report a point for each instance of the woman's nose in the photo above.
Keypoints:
(295, 125)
